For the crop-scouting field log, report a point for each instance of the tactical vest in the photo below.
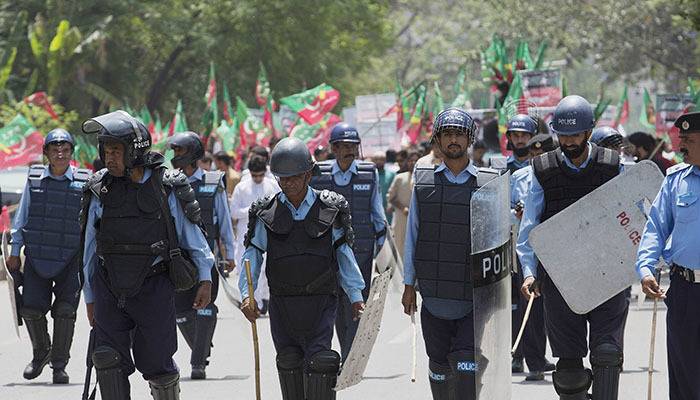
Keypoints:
(564, 186)
(52, 233)
(300, 254)
(206, 191)
(358, 193)
(132, 232)
(443, 248)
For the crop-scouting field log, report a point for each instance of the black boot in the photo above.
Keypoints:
(63, 329)
(41, 343)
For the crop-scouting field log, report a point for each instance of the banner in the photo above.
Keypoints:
(20, 144)
(668, 108)
(543, 88)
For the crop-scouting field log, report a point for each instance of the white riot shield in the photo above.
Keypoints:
(590, 248)
(231, 291)
(491, 263)
(367, 333)
(10, 282)
(388, 257)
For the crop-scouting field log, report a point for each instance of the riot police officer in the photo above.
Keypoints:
(138, 219)
(358, 182)
(519, 130)
(46, 223)
(607, 136)
(308, 237)
(559, 179)
(674, 213)
(197, 326)
(437, 256)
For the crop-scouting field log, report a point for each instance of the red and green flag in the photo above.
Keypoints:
(85, 152)
(539, 58)
(262, 87)
(648, 115)
(623, 109)
(228, 107)
(412, 129)
(41, 99)
(250, 127)
(313, 104)
(438, 102)
(179, 122)
(210, 119)
(523, 59)
(461, 93)
(20, 143)
(317, 134)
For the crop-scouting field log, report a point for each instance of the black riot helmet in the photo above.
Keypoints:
(119, 126)
(193, 145)
(291, 157)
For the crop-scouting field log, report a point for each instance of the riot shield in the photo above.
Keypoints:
(231, 291)
(367, 333)
(388, 257)
(491, 265)
(10, 282)
(590, 248)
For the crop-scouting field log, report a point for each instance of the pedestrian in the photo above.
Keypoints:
(399, 199)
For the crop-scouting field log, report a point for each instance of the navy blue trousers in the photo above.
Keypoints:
(568, 331)
(345, 327)
(37, 291)
(683, 339)
(150, 315)
(444, 336)
(184, 300)
(304, 322)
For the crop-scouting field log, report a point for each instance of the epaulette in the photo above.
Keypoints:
(257, 206)
(81, 175)
(678, 167)
(183, 193)
(35, 173)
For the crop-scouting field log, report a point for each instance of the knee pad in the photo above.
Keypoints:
(462, 362)
(290, 358)
(165, 387)
(606, 355)
(105, 357)
(572, 381)
(63, 310)
(31, 314)
(439, 373)
(325, 362)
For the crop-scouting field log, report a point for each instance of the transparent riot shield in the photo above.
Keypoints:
(491, 263)
(10, 282)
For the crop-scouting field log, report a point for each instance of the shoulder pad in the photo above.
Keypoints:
(36, 170)
(486, 175)
(678, 167)
(522, 172)
(607, 156)
(214, 178)
(344, 218)
(498, 162)
(94, 182)
(366, 166)
(82, 175)
(255, 208)
(173, 177)
(333, 199)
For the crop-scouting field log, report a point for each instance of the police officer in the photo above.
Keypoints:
(520, 129)
(534, 341)
(197, 326)
(447, 312)
(675, 213)
(46, 224)
(308, 237)
(609, 137)
(131, 258)
(559, 179)
(358, 182)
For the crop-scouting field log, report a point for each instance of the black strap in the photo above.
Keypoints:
(283, 289)
(157, 182)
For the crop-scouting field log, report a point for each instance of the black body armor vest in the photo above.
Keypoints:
(206, 190)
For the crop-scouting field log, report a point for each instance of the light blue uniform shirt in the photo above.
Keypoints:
(222, 214)
(350, 276)
(441, 308)
(190, 238)
(377, 212)
(673, 227)
(22, 212)
(518, 164)
(534, 206)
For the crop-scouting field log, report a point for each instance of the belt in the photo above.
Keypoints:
(690, 275)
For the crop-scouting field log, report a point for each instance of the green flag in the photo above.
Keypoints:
(210, 119)
(647, 116)
(438, 103)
